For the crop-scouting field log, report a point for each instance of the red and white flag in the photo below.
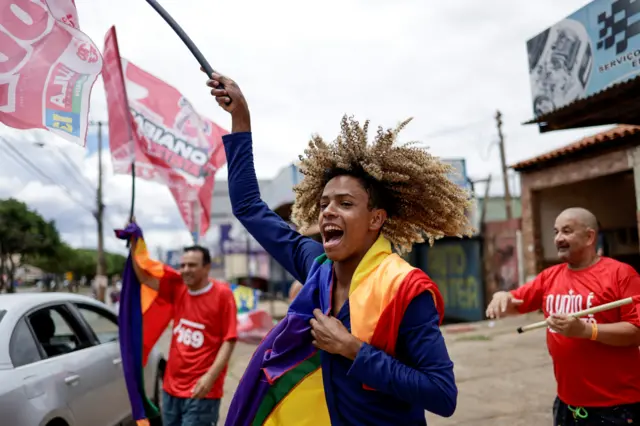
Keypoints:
(47, 68)
(151, 123)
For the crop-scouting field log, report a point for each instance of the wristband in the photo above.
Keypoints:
(594, 331)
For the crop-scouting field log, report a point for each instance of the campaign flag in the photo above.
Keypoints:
(154, 126)
(144, 316)
(253, 323)
(47, 68)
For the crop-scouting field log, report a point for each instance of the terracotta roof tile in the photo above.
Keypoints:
(602, 138)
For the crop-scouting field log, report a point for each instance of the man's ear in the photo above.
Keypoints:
(378, 218)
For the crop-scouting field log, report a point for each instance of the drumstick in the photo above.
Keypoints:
(582, 313)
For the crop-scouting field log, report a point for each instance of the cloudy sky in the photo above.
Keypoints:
(302, 66)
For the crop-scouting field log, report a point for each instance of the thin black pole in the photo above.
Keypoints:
(185, 38)
(133, 190)
(183, 35)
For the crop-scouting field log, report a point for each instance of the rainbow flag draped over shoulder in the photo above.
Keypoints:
(143, 318)
(282, 384)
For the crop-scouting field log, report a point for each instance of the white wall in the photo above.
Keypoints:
(612, 199)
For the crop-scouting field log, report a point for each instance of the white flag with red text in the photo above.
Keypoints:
(47, 68)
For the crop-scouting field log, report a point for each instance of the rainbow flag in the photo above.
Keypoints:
(143, 318)
(282, 384)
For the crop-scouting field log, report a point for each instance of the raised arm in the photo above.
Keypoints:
(292, 250)
(143, 277)
(152, 273)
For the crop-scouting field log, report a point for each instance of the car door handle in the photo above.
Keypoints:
(117, 361)
(72, 380)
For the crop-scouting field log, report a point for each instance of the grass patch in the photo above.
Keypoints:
(474, 337)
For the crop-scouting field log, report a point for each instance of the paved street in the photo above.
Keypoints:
(503, 378)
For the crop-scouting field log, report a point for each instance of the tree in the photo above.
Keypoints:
(115, 263)
(23, 234)
(80, 262)
(58, 262)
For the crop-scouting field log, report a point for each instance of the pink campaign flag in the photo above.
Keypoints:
(152, 124)
(47, 68)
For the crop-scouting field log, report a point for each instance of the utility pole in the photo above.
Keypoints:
(503, 162)
(485, 200)
(101, 270)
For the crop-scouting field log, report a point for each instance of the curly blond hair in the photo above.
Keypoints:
(411, 185)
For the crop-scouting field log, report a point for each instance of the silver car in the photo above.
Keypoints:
(60, 363)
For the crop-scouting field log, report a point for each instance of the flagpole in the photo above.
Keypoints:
(133, 187)
(195, 208)
(184, 37)
(127, 115)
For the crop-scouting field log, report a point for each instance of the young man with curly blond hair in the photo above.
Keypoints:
(361, 342)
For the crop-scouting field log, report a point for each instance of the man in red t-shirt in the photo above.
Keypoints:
(204, 335)
(596, 359)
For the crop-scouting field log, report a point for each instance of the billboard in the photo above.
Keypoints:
(585, 53)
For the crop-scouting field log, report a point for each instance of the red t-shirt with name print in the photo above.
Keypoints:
(589, 373)
(202, 321)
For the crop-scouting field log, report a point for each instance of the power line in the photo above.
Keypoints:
(454, 129)
(24, 161)
(486, 157)
(78, 173)
(76, 170)
(77, 177)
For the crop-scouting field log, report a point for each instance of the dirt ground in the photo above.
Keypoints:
(503, 378)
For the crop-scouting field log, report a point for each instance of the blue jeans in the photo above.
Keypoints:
(189, 412)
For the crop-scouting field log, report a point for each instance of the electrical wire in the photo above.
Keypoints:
(79, 177)
(455, 129)
(70, 167)
(486, 156)
(24, 161)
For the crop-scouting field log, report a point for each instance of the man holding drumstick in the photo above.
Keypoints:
(596, 359)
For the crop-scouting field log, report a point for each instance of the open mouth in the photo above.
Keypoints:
(331, 235)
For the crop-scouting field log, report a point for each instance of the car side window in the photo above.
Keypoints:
(23, 349)
(103, 324)
(57, 332)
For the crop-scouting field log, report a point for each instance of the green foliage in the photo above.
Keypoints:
(23, 233)
(81, 262)
(25, 237)
(84, 262)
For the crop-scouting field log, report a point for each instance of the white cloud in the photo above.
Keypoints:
(302, 66)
